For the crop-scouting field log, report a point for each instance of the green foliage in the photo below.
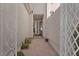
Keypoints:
(28, 40)
(20, 53)
(24, 46)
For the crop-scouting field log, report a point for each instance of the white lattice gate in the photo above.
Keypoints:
(8, 29)
(69, 29)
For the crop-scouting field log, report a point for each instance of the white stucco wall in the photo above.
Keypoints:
(44, 20)
(30, 26)
(22, 17)
(53, 30)
(24, 24)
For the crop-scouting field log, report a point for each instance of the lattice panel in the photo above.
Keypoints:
(71, 12)
(8, 29)
(0, 29)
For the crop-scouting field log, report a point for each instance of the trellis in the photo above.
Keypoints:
(69, 29)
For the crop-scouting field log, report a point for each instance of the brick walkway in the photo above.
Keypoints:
(39, 47)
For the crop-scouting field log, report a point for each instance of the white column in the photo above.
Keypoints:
(38, 27)
(35, 27)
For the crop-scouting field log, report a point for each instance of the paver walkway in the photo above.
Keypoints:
(39, 47)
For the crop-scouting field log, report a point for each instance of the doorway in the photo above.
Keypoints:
(37, 24)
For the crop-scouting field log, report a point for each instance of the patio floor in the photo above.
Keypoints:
(39, 47)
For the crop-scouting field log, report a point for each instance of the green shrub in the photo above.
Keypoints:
(28, 40)
(24, 46)
(20, 53)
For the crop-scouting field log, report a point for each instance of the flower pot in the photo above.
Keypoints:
(46, 40)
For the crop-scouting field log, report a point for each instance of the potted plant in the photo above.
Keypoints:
(25, 46)
(20, 53)
(46, 39)
(27, 40)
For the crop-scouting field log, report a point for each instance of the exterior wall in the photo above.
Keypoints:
(63, 29)
(22, 16)
(44, 21)
(24, 21)
(30, 34)
(53, 30)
